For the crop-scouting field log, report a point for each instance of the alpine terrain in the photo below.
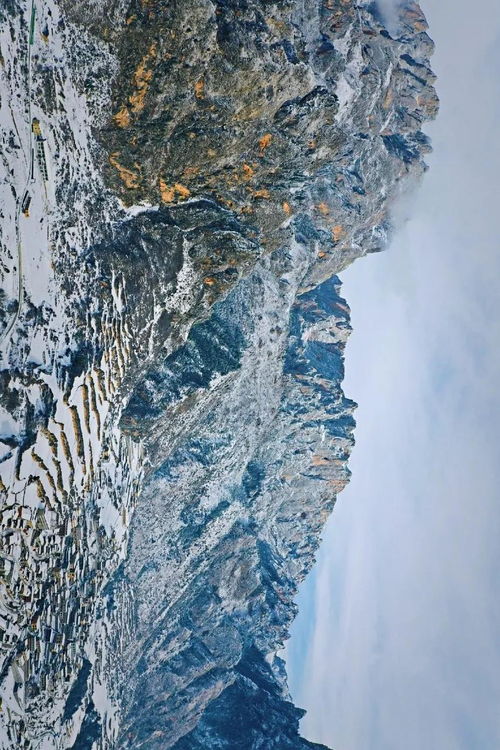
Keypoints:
(181, 182)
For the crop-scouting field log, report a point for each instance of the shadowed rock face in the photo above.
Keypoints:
(175, 428)
(232, 517)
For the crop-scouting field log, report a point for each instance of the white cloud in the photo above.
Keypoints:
(405, 653)
(390, 13)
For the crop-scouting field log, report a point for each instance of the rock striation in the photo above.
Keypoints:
(182, 184)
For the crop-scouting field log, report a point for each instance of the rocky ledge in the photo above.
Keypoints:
(182, 184)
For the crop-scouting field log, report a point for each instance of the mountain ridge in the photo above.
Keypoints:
(173, 427)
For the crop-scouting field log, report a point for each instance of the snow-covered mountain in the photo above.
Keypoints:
(181, 183)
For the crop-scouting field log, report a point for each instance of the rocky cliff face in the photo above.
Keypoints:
(181, 185)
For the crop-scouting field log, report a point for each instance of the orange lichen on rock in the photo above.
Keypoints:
(261, 193)
(337, 232)
(323, 209)
(248, 172)
(142, 80)
(265, 142)
(199, 89)
(128, 176)
(169, 193)
(122, 118)
(209, 281)
(287, 208)
(181, 190)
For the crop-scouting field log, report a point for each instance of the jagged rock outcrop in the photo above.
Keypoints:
(182, 184)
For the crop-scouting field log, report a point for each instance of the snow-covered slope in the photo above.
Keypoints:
(180, 185)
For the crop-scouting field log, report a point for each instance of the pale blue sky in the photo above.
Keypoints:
(400, 623)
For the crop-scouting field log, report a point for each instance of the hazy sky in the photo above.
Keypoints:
(397, 646)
